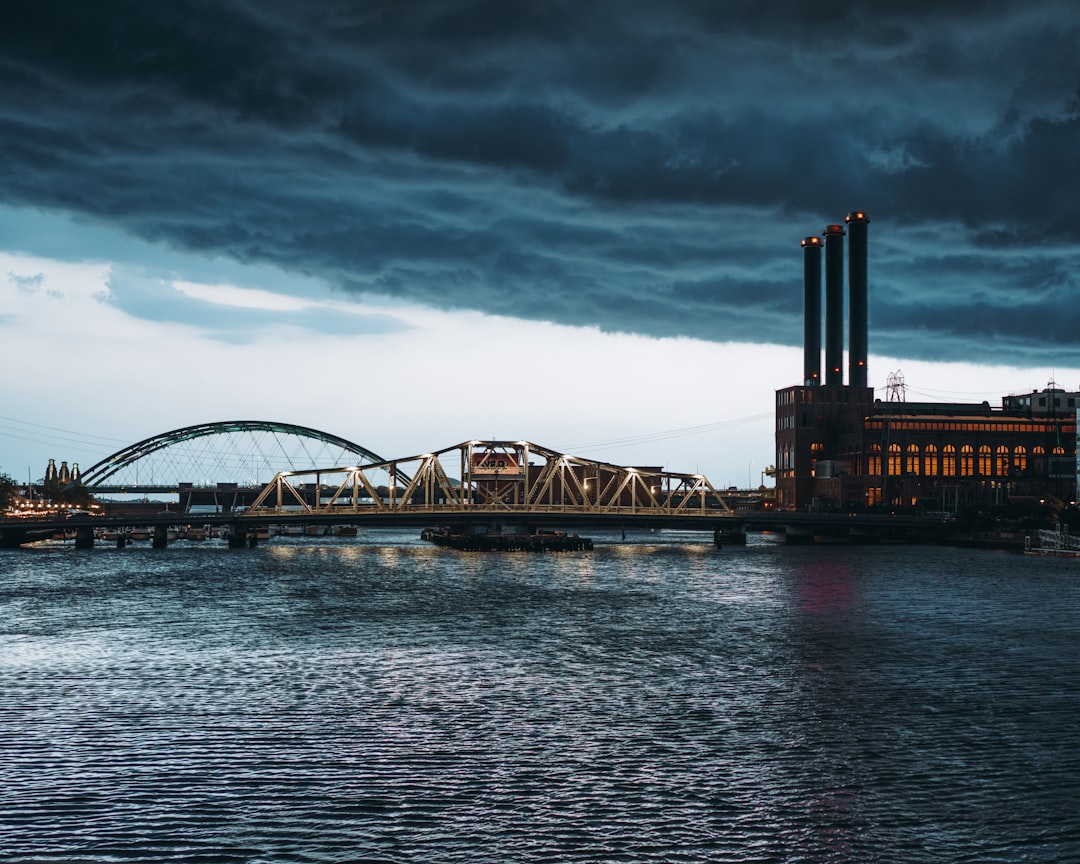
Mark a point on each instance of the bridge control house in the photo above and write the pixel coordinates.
(838, 447)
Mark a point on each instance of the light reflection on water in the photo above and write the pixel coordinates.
(655, 700)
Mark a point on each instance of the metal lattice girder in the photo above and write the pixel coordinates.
(505, 477)
(97, 474)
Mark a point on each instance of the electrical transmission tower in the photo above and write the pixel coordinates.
(896, 388)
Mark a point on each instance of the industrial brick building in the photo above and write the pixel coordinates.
(839, 447)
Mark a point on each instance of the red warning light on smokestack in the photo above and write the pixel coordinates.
(811, 241)
(856, 216)
(833, 229)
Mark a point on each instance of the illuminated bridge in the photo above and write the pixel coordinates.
(492, 481)
(283, 474)
(208, 462)
(272, 471)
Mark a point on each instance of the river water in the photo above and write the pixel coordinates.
(377, 699)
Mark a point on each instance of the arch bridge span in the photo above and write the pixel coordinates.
(246, 452)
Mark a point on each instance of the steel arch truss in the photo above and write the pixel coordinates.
(99, 473)
(497, 478)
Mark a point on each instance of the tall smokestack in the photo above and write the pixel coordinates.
(834, 305)
(811, 311)
(857, 222)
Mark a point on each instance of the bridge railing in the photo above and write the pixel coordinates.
(578, 509)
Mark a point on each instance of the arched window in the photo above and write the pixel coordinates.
(984, 460)
(967, 461)
(873, 462)
(1020, 459)
(912, 466)
(1059, 451)
(1038, 451)
(1001, 468)
(948, 461)
(930, 466)
(894, 459)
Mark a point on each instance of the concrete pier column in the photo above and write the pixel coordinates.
(84, 537)
(798, 534)
(238, 537)
(729, 535)
(161, 537)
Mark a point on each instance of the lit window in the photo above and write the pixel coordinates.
(930, 467)
(894, 459)
(948, 461)
(967, 461)
(873, 462)
(984, 460)
(912, 466)
(1020, 459)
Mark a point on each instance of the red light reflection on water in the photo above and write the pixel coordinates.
(829, 694)
(824, 587)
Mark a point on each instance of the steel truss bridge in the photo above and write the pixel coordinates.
(514, 485)
(510, 482)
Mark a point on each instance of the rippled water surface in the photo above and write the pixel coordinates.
(655, 700)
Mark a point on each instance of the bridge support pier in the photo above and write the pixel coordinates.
(161, 537)
(729, 535)
(798, 534)
(864, 536)
(239, 537)
(84, 538)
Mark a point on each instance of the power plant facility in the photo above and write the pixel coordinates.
(837, 447)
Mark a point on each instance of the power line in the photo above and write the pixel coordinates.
(683, 432)
(83, 436)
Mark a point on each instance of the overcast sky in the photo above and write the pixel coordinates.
(575, 222)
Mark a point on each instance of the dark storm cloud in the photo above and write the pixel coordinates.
(142, 295)
(639, 167)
